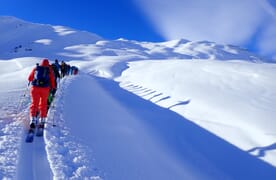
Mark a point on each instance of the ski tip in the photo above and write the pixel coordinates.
(30, 136)
(39, 134)
(29, 140)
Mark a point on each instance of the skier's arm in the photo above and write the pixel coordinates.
(31, 76)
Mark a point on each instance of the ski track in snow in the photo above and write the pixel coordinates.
(57, 155)
(31, 161)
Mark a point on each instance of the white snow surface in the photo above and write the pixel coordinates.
(137, 110)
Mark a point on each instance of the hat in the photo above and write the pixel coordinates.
(45, 62)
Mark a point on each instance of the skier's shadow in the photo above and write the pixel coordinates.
(262, 150)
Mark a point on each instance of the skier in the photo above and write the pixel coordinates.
(53, 91)
(74, 70)
(42, 78)
(68, 68)
(55, 67)
(57, 64)
(63, 69)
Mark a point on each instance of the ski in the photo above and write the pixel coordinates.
(30, 135)
(40, 130)
(35, 130)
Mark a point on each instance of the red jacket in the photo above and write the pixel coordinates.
(45, 63)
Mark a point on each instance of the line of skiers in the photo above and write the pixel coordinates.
(44, 79)
(66, 69)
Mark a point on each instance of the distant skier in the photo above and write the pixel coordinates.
(55, 67)
(57, 64)
(74, 70)
(63, 69)
(68, 68)
(42, 78)
(53, 91)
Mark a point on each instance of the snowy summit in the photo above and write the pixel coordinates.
(137, 110)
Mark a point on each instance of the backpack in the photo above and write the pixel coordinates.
(41, 77)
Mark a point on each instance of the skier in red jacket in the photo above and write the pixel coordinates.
(43, 80)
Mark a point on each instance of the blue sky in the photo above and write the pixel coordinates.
(110, 19)
(247, 23)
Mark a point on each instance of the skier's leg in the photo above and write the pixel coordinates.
(43, 102)
(34, 106)
(35, 102)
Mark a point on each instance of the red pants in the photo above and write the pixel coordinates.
(39, 97)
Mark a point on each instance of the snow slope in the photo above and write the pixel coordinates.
(139, 110)
(24, 39)
(20, 39)
(233, 99)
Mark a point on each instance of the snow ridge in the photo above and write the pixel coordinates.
(40, 40)
(68, 158)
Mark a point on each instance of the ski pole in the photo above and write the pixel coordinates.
(58, 83)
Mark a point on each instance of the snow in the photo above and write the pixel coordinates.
(231, 88)
(139, 110)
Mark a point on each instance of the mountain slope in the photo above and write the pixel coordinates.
(39, 40)
(20, 38)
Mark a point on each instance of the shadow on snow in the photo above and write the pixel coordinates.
(184, 138)
(263, 150)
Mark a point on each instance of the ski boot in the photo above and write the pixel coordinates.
(33, 122)
(42, 122)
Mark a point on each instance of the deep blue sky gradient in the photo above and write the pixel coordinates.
(110, 19)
